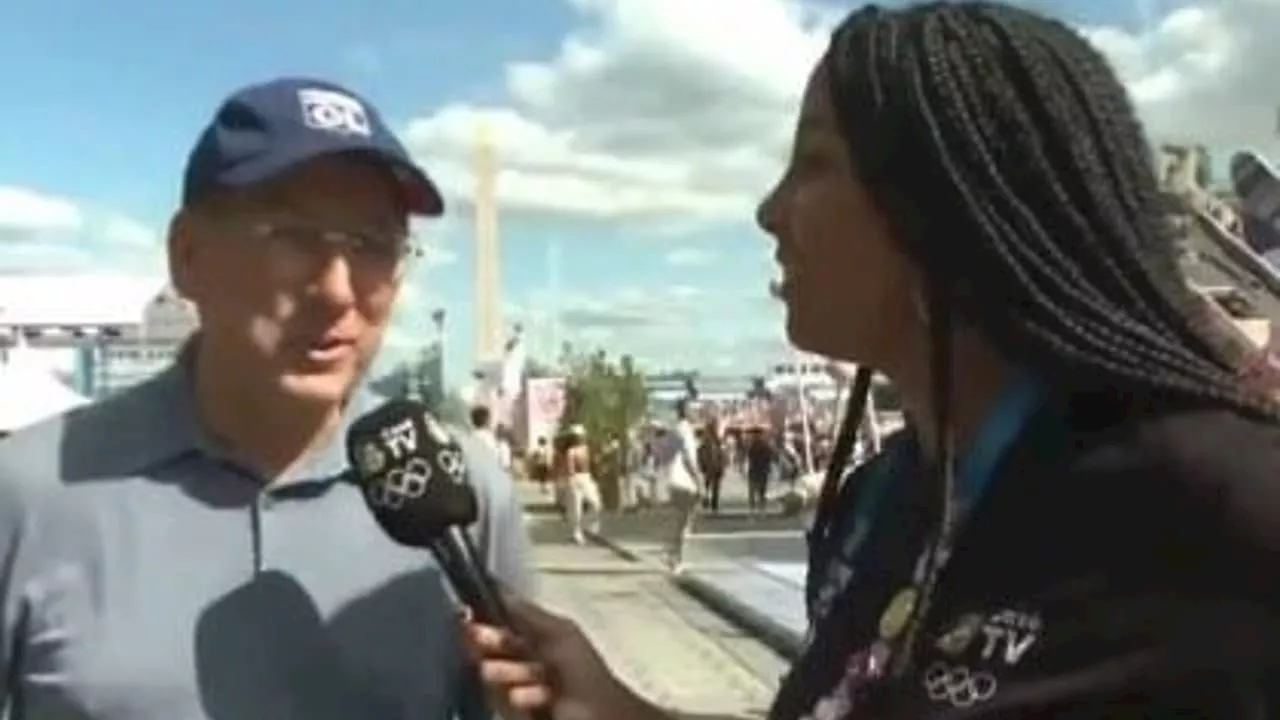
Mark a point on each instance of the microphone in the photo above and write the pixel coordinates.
(413, 477)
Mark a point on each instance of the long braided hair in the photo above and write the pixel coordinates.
(1007, 158)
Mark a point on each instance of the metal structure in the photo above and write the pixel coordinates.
(1215, 257)
(106, 357)
(488, 296)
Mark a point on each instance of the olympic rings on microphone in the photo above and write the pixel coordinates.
(401, 485)
(959, 686)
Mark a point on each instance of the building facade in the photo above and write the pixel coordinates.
(142, 350)
(98, 333)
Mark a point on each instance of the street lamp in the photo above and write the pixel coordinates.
(437, 321)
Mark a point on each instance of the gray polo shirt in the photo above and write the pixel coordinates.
(145, 576)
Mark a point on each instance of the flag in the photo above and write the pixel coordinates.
(514, 361)
(430, 376)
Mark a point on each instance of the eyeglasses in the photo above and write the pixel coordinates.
(298, 251)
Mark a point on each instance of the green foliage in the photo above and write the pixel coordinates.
(536, 368)
(606, 396)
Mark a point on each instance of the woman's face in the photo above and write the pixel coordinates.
(844, 282)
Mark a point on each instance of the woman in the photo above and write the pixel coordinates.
(1081, 522)
(712, 462)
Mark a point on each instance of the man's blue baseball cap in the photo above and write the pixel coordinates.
(264, 130)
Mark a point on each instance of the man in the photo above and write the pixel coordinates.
(581, 491)
(760, 459)
(482, 426)
(186, 548)
(684, 481)
(540, 463)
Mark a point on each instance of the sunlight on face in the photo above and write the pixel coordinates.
(842, 276)
(296, 279)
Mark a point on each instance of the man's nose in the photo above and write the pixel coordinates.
(334, 281)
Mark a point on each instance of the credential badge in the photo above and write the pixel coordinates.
(960, 637)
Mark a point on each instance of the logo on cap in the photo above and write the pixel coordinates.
(334, 112)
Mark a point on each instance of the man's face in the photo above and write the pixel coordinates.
(295, 279)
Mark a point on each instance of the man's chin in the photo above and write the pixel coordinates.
(318, 388)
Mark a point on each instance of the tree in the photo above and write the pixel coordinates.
(536, 368)
(608, 398)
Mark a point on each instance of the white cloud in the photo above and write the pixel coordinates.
(675, 109)
(1204, 72)
(45, 233)
(663, 327)
(24, 212)
(679, 113)
(437, 237)
(689, 257)
(119, 231)
(651, 108)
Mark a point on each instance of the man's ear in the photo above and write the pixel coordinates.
(182, 253)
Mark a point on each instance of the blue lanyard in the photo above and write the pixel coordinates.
(974, 471)
(1008, 416)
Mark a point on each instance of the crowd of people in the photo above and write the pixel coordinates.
(682, 465)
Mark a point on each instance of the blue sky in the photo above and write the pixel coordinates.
(103, 100)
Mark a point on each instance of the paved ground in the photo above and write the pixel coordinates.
(664, 643)
(714, 541)
(732, 536)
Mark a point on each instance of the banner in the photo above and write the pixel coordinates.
(544, 405)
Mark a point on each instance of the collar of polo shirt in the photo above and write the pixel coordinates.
(167, 427)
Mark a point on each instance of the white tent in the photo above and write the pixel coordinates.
(30, 393)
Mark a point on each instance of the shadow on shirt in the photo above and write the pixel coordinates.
(265, 651)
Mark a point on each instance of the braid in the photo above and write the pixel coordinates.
(999, 142)
(1005, 155)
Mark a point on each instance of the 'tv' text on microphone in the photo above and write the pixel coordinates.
(413, 477)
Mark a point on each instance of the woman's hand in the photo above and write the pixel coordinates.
(550, 666)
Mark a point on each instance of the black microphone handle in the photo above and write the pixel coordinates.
(475, 587)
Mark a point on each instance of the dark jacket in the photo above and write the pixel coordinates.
(1117, 569)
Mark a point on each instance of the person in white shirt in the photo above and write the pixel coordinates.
(482, 426)
(503, 438)
(684, 481)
